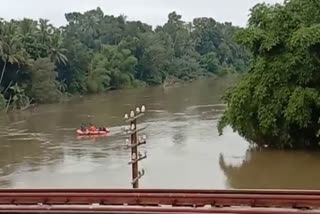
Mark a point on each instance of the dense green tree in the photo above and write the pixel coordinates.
(205, 35)
(187, 68)
(158, 53)
(44, 86)
(12, 51)
(180, 35)
(211, 63)
(56, 51)
(28, 32)
(74, 73)
(112, 67)
(278, 101)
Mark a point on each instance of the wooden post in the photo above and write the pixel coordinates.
(134, 155)
(134, 144)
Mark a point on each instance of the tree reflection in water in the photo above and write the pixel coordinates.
(268, 169)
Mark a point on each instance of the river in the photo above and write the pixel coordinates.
(39, 147)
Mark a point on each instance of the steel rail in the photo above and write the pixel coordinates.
(188, 198)
(242, 191)
(145, 210)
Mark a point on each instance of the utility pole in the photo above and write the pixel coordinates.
(134, 144)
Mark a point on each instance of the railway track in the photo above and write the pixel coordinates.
(158, 201)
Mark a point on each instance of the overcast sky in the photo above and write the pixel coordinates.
(153, 12)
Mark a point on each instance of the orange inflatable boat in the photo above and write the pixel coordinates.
(90, 133)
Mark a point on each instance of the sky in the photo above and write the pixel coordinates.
(153, 12)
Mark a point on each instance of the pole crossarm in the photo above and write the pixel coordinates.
(137, 160)
(141, 174)
(137, 130)
(134, 118)
(135, 145)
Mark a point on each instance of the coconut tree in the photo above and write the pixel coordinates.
(28, 30)
(45, 29)
(12, 51)
(56, 50)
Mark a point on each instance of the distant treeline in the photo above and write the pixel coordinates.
(95, 52)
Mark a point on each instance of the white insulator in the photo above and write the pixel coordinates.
(143, 109)
(132, 114)
(144, 137)
(133, 127)
(126, 116)
(138, 110)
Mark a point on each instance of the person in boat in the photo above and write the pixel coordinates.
(83, 127)
(92, 128)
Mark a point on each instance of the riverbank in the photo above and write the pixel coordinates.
(169, 83)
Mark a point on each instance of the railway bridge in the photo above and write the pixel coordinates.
(158, 201)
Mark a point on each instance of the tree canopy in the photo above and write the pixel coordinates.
(278, 101)
(95, 52)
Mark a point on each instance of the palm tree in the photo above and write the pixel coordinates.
(45, 29)
(27, 27)
(28, 31)
(52, 43)
(1, 32)
(56, 50)
(11, 47)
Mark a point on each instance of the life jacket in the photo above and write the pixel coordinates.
(92, 128)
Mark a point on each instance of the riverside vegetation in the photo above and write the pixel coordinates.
(95, 52)
(277, 102)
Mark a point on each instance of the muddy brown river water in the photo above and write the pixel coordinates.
(39, 147)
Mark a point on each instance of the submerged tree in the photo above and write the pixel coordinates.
(278, 101)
